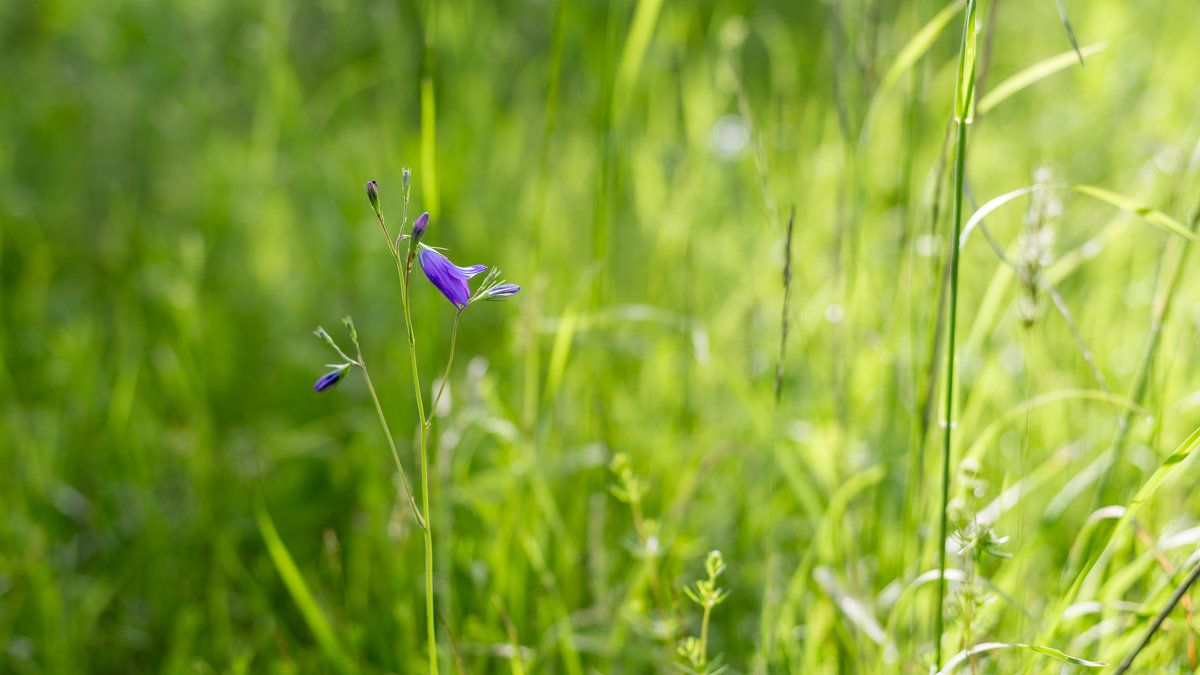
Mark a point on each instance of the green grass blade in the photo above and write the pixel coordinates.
(294, 582)
(1144, 212)
(961, 657)
(1034, 74)
(640, 31)
(1062, 15)
(1001, 423)
(907, 58)
(985, 210)
(966, 67)
(1169, 465)
(1153, 216)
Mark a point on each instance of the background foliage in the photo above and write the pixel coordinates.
(181, 202)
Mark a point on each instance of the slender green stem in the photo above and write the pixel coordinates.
(392, 246)
(960, 165)
(391, 443)
(412, 353)
(445, 376)
(403, 272)
(964, 91)
(704, 634)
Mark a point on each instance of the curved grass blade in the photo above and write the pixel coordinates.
(1034, 74)
(1144, 212)
(985, 210)
(294, 582)
(906, 59)
(1152, 216)
(962, 656)
(992, 430)
(1169, 465)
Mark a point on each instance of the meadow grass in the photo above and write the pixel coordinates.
(181, 202)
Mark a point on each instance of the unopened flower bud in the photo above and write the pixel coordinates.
(407, 176)
(330, 380)
(419, 226)
(373, 195)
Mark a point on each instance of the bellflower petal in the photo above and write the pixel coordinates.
(447, 277)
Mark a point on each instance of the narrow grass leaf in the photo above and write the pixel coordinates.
(1144, 212)
(966, 68)
(300, 593)
(1147, 490)
(640, 32)
(1034, 74)
(1003, 422)
(1152, 216)
(961, 657)
(907, 58)
(429, 187)
(1062, 16)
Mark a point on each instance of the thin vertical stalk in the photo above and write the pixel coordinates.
(446, 375)
(1158, 620)
(962, 109)
(403, 272)
(951, 326)
(428, 531)
(391, 443)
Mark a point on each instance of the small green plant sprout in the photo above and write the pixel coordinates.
(628, 488)
(706, 594)
(974, 540)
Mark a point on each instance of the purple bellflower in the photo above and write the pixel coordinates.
(447, 277)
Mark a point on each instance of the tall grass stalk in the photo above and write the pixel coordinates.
(964, 90)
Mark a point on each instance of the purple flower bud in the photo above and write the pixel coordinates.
(373, 195)
(328, 381)
(447, 277)
(502, 291)
(407, 176)
(419, 226)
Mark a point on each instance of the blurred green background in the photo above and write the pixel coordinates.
(181, 203)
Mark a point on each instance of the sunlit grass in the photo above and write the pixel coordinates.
(181, 200)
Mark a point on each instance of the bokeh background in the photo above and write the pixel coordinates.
(181, 203)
